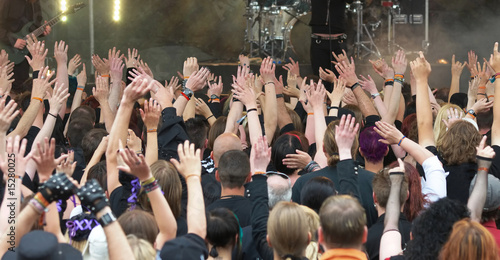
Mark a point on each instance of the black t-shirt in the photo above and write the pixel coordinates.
(239, 205)
(375, 234)
(495, 165)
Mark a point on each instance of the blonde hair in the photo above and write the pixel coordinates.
(458, 144)
(439, 126)
(469, 240)
(141, 248)
(330, 145)
(288, 230)
(313, 223)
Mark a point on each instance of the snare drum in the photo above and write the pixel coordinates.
(279, 17)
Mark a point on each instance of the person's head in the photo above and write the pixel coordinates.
(223, 231)
(357, 113)
(469, 240)
(197, 130)
(316, 191)
(77, 129)
(296, 120)
(330, 145)
(492, 203)
(416, 200)
(99, 173)
(279, 188)
(91, 141)
(370, 148)
(234, 169)
(485, 120)
(382, 187)
(139, 223)
(141, 248)
(83, 112)
(216, 129)
(410, 127)
(442, 93)
(288, 230)
(439, 125)
(170, 183)
(312, 220)
(459, 143)
(225, 142)
(285, 144)
(343, 223)
(432, 228)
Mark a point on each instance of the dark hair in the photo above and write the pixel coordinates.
(382, 187)
(222, 229)
(432, 228)
(83, 112)
(287, 143)
(197, 130)
(316, 191)
(358, 115)
(233, 169)
(442, 93)
(216, 129)
(485, 119)
(91, 141)
(99, 173)
(296, 120)
(410, 127)
(373, 150)
(139, 223)
(77, 128)
(411, 108)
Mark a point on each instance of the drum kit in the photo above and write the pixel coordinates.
(281, 30)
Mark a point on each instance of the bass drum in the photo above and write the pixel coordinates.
(299, 38)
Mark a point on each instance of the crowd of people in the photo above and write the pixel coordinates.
(272, 170)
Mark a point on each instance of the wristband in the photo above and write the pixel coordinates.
(269, 83)
(310, 114)
(280, 96)
(38, 207)
(214, 100)
(148, 181)
(251, 109)
(484, 94)
(37, 98)
(53, 115)
(184, 95)
(259, 173)
(152, 130)
(79, 88)
(186, 77)
(396, 173)
(151, 186)
(334, 107)
(483, 158)
(401, 140)
(482, 87)
(235, 99)
(38, 197)
(389, 83)
(399, 76)
(212, 116)
(354, 86)
(399, 80)
(483, 169)
(105, 76)
(192, 175)
(491, 96)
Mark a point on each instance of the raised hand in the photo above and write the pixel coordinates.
(41, 84)
(101, 90)
(457, 67)
(267, 70)
(164, 95)
(74, 63)
(389, 132)
(246, 95)
(45, 162)
(101, 66)
(133, 56)
(151, 114)
(137, 89)
(482, 105)
(382, 69)
(347, 71)
(15, 149)
(484, 154)
(327, 75)
(345, 133)
(202, 108)
(337, 93)
(68, 165)
(293, 67)
(173, 84)
(61, 52)
(341, 58)
(349, 98)
(260, 156)
(453, 116)
(58, 187)
(190, 66)
(399, 62)
(59, 96)
(215, 88)
(244, 60)
(116, 67)
(81, 78)
(291, 80)
(241, 75)
(92, 196)
(146, 68)
(495, 59)
(472, 62)
(316, 95)
(368, 84)
(7, 114)
(134, 142)
(190, 163)
(136, 165)
(38, 53)
(5, 80)
(482, 73)
(197, 80)
(420, 68)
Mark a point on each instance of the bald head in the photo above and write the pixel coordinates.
(225, 142)
(278, 189)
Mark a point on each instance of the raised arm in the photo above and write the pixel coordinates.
(61, 55)
(81, 79)
(316, 97)
(421, 70)
(477, 197)
(368, 84)
(151, 117)
(137, 166)
(116, 67)
(101, 94)
(495, 128)
(399, 64)
(236, 106)
(274, 106)
(456, 72)
(246, 96)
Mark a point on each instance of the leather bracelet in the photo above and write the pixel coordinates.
(334, 108)
(280, 96)
(397, 173)
(389, 83)
(354, 86)
(210, 117)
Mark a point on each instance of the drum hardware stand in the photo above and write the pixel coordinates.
(359, 45)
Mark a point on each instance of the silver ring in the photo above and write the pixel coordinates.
(449, 117)
(457, 117)
(43, 77)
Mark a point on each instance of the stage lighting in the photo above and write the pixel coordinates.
(116, 10)
(64, 7)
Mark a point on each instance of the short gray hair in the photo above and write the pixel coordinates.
(278, 189)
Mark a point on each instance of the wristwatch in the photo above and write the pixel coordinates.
(107, 219)
(188, 92)
(213, 96)
(471, 111)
